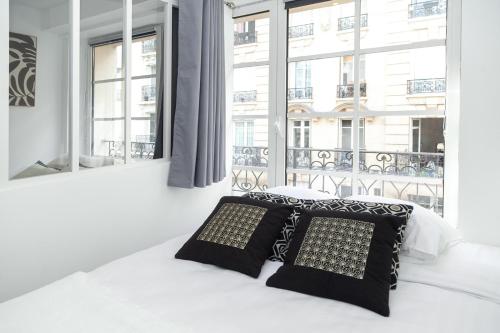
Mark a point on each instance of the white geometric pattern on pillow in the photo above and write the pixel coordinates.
(353, 206)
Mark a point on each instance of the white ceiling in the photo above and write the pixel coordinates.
(45, 4)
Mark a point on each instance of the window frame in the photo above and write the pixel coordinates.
(278, 138)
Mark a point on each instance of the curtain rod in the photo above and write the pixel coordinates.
(230, 4)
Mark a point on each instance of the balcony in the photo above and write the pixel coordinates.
(426, 86)
(141, 150)
(347, 23)
(300, 93)
(301, 30)
(242, 38)
(148, 93)
(427, 8)
(347, 90)
(149, 46)
(245, 96)
(402, 175)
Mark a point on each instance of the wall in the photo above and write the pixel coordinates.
(39, 133)
(78, 222)
(479, 217)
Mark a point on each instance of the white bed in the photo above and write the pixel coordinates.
(151, 291)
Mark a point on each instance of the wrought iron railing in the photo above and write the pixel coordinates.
(139, 150)
(346, 23)
(347, 90)
(426, 86)
(245, 96)
(148, 93)
(241, 38)
(301, 30)
(149, 46)
(426, 8)
(300, 93)
(370, 162)
(416, 177)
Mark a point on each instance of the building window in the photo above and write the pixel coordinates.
(427, 135)
(243, 133)
(346, 133)
(244, 33)
(301, 86)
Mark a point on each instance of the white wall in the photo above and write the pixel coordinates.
(69, 223)
(479, 151)
(39, 133)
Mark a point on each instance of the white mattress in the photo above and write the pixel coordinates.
(203, 298)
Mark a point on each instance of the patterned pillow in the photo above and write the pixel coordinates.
(343, 256)
(353, 206)
(238, 235)
(280, 247)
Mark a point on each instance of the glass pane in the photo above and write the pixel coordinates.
(251, 91)
(325, 145)
(251, 38)
(39, 81)
(318, 86)
(108, 99)
(146, 61)
(394, 148)
(324, 27)
(403, 21)
(427, 193)
(108, 61)
(406, 80)
(335, 184)
(144, 55)
(102, 130)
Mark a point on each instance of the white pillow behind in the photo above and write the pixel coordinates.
(427, 234)
(300, 193)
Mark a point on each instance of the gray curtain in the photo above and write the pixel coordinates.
(198, 155)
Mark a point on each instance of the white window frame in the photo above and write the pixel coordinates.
(278, 93)
(75, 93)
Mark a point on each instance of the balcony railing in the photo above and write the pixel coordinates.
(301, 30)
(426, 86)
(427, 8)
(347, 23)
(347, 90)
(241, 38)
(148, 93)
(416, 177)
(149, 46)
(139, 149)
(245, 96)
(300, 93)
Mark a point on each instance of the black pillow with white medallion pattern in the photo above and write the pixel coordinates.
(283, 240)
(353, 206)
(238, 235)
(343, 256)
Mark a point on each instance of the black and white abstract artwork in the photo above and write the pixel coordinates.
(22, 66)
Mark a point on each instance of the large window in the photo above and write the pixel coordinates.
(369, 80)
(107, 85)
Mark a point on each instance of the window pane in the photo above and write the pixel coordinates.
(102, 130)
(324, 27)
(406, 80)
(394, 148)
(251, 91)
(108, 61)
(251, 38)
(39, 81)
(328, 149)
(144, 55)
(403, 21)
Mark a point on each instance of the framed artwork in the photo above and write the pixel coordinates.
(22, 68)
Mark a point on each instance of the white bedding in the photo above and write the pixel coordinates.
(209, 299)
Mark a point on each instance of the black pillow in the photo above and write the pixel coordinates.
(343, 256)
(238, 235)
(376, 209)
(283, 240)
